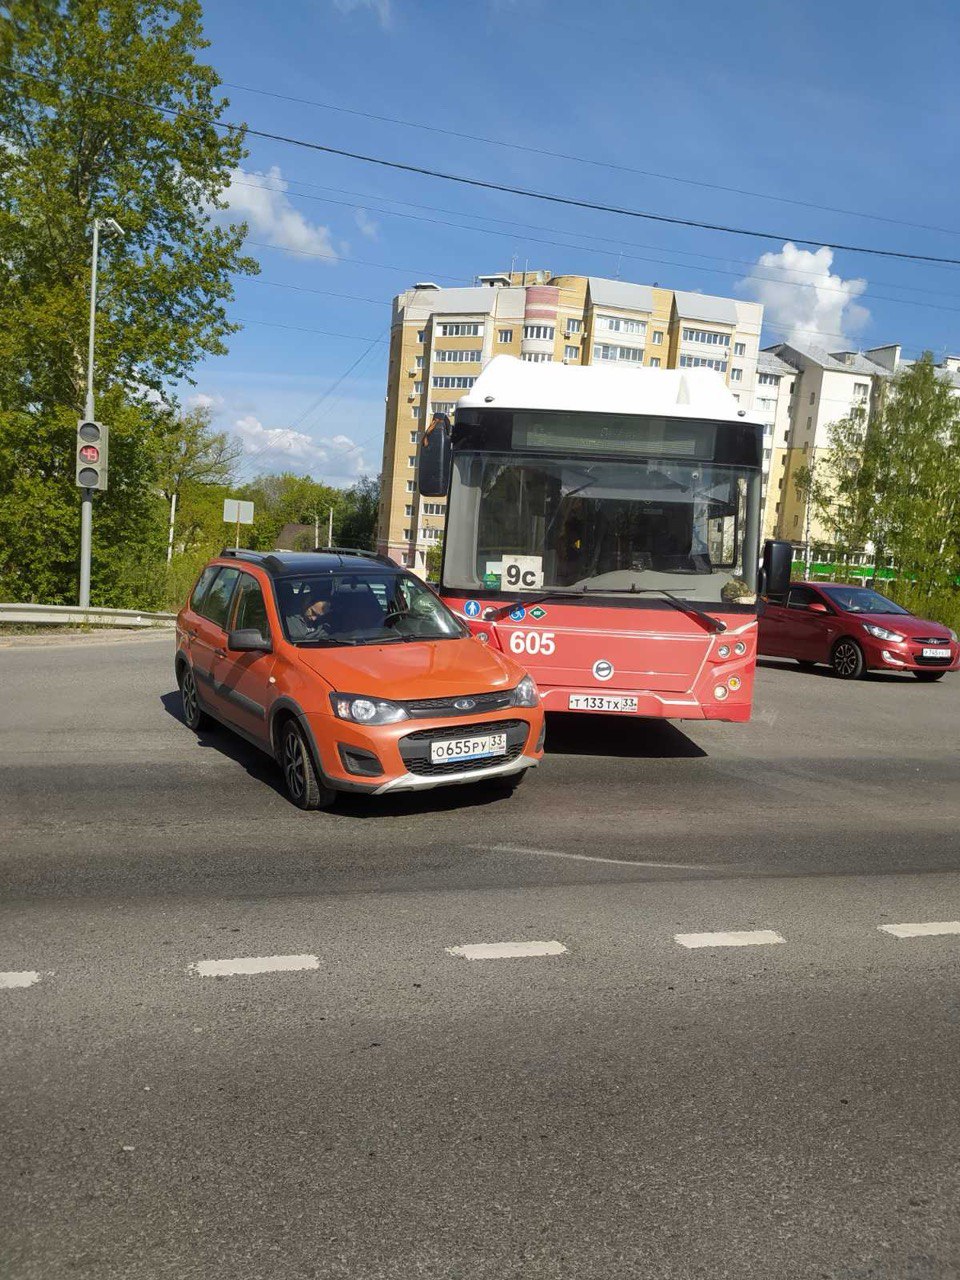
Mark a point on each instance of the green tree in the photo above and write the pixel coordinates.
(192, 460)
(107, 112)
(434, 561)
(361, 505)
(286, 498)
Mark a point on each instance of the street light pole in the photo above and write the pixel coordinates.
(86, 495)
(111, 227)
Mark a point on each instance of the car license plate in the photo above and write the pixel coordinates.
(936, 653)
(491, 744)
(600, 702)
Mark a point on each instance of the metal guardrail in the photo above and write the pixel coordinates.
(73, 615)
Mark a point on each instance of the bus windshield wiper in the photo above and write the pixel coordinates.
(713, 624)
(547, 595)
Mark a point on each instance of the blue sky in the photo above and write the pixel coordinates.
(848, 107)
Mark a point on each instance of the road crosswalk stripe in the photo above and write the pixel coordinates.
(506, 950)
(254, 964)
(930, 929)
(744, 938)
(21, 978)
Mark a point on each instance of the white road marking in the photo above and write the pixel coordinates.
(23, 978)
(506, 950)
(589, 857)
(746, 938)
(927, 930)
(254, 964)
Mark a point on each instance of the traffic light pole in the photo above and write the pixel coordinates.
(86, 495)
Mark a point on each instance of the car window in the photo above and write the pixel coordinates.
(216, 603)
(249, 609)
(800, 597)
(362, 608)
(202, 587)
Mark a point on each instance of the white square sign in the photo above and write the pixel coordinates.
(237, 512)
(522, 573)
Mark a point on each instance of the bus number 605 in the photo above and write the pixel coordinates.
(533, 642)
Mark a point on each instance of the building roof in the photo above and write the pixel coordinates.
(509, 383)
(853, 361)
(857, 362)
(620, 293)
(767, 362)
(476, 300)
(704, 306)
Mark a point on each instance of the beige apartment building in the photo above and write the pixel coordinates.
(442, 338)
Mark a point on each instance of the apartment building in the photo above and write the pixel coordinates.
(775, 382)
(441, 339)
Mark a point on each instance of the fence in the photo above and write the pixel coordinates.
(73, 616)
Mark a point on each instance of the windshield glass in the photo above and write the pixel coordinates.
(367, 608)
(861, 600)
(518, 523)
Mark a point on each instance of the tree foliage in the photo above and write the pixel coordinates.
(107, 112)
(890, 481)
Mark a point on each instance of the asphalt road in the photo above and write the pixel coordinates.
(622, 1105)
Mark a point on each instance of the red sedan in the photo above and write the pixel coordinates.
(854, 629)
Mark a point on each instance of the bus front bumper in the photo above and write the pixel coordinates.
(645, 703)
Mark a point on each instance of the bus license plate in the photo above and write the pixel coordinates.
(936, 653)
(491, 744)
(600, 702)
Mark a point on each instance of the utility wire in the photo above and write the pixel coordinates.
(507, 189)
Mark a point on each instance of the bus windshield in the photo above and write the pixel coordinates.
(521, 522)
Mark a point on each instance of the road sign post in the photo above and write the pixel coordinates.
(238, 513)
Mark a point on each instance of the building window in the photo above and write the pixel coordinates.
(620, 324)
(446, 382)
(739, 348)
(539, 332)
(813, 397)
(655, 362)
(504, 335)
(409, 486)
(432, 509)
(571, 353)
(419, 362)
(768, 379)
(421, 335)
(418, 387)
(430, 535)
(703, 362)
(458, 357)
(459, 330)
(573, 325)
(412, 461)
(630, 355)
(537, 357)
(408, 534)
(442, 406)
(861, 390)
(736, 375)
(414, 411)
(809, 423)
(408, 510)
(657, 338)
(413, 436)
(766, 404)
(706, 336)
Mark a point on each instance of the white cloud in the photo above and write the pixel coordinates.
(382, 8)
(259, 200)
(803, 300)
(330, 459)
(200, 400)
(368, 227)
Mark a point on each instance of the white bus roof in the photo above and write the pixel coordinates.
(509, 383)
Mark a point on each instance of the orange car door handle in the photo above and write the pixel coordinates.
(220, 653)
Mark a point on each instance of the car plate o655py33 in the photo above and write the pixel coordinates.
(490, 744)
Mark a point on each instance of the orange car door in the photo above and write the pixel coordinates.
(209, 638)
(242, 680)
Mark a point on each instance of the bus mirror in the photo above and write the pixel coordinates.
(777, 564)
(436, 458)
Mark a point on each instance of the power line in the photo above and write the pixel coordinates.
(524, 192)
(588, 160)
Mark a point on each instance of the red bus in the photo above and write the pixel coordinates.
(603, 527)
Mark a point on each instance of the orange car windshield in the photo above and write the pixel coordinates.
(367, 608)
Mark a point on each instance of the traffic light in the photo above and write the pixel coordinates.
(92, 440)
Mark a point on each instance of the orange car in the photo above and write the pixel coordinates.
(353, 675)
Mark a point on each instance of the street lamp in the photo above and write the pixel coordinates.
(110, 227)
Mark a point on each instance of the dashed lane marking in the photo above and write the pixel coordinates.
(506, 950)
(745, 938)
(589, 857)
(926, 930)
(21, 978)
(253, 964)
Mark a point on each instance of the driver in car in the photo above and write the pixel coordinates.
(308, 621)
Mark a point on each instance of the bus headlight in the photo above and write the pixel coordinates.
(739, 648)
(733, 684)
(720, 692)
(723, 651)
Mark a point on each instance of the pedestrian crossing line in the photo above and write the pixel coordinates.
(507, 950)
(18, 978)
(743, 938)
(929, 929)
(247, 965)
